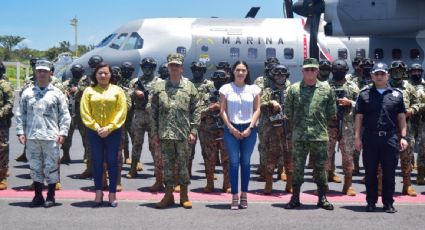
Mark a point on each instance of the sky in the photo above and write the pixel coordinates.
(45, 23)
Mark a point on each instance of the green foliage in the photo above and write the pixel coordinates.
(8, 42)
(11, 76)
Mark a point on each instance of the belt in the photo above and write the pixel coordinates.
(383, 133)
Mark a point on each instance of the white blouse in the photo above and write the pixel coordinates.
(240, 101)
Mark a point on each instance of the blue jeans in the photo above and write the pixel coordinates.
(239, 152)
(105, 149)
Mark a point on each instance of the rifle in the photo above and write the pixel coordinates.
(145, 91)
(214, 98)
(278, 119)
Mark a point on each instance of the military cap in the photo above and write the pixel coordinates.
(175, 58)
(379, 67)
(43, 65)
(310, 63)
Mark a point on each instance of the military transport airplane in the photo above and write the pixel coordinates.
(385, 30)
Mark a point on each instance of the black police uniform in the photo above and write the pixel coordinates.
(380, 139)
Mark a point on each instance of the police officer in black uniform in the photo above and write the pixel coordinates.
(380, 130)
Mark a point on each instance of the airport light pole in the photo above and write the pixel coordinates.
(74, 23)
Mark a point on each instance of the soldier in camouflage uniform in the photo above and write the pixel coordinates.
(325, 69)
(415, 74)
(397, 71)
(310, 105)
(127, 71)
(341, 129)
(211, 133)
(163, 71)
(42, 122)
(204, 86)
(275, 127)
(175, 117)
(6, 114)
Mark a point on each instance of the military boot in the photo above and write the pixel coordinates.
(210, 184)
(139, 167)
(295, 198)
(22, 158)
(50, 200)
(332, 177)
(167, 200)
(133, 170)
(323, 202)
(288, 187)
(184, 198)
(269, 185)
(407, 187)
(281, 173)
(348, 188)
(87, 173)
(66, 158)
(158, 182)
(119, 186)
(420, 179)
(3, 179)
(38, 199)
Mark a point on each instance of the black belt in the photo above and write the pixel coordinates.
(383, 133)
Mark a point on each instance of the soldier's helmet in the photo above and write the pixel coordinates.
(94, 61)
(77, 69)
(33, 61)
(148, 62)
(116, 71)
(127, 66)
(325, 65)
(198, 65)
(219, 75)
(339, 65)
(269, 67)
(416, 66)
(280, 69)
(2, 69)
(271, 60)
(357, 60)
(223, 65)
(367, 63)
(398, 64)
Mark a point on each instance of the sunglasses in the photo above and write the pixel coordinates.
(279, 71)
(218, 76)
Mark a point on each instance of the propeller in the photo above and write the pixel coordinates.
(287, 9)
(312, 10)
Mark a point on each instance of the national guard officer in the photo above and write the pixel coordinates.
(211, 133)
(174, 123)
(275, 127)
(310, 106)
(325, 69)
(341, 129)
(380, 116)
(42, 122)
(204, 86)
(6, 114)
(397, 71)
(141, 95)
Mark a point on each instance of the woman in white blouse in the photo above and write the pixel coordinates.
(240, 110)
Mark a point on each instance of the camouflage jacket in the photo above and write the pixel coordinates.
(267, 95)
(75, 98)
(309, 109)
(42, 114)
(6, 103)
(262, 82)
(149, 84)
(210, 120)
(359, 81)
(351, 92)
(174, 110)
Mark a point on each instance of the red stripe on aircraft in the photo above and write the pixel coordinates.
(326, 54)
(212, 197)
(304, 40)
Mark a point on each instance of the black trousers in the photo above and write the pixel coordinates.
(383, 150)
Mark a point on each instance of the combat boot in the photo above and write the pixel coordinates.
(356, 170)
(332, 177)
(295, 198)
(407, 187)
(281, 173)
(58, 186)
(22, 158)
(133, 170)
(323, 202)
(269, 185)
(38, 199)
(420, 179)
(139, 167)
(288, 187)
(348, 188)
(87, 172)
(184, 198)
(210, 184)
(167, 200)
(50, 200)
(3, 179)
(66, 158)
(119, 186)
(158, 182)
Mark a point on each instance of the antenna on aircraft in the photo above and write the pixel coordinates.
(287, 9)
(252, 12)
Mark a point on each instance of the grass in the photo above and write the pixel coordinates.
(11, 76)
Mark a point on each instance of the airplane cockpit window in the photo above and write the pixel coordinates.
(379, 54)
(106, 40)
(234, 53)
(342, 54)
(116, 44)
(252, 53)
(396, 54)
(134, 42)
(181, 50)
(288, 53)
(415, 54)
(361, 53)
(270, 53)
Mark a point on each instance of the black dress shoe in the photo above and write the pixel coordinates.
(389, 208)
(370, 207)
(37, 201)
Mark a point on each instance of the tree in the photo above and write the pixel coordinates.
(64, 46)
(8, 42)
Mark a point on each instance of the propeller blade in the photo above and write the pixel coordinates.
(314, 30)
(287, 9)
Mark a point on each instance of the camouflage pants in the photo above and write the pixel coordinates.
(346, 147)
(213, 142)
(276, 147)
(261, 147)
(421, 148)
(406, 159)
(317, 149)
(76, 122)
(127, 132)
(175, 151)
(43, 157)
(141, 126)
(4, 151)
